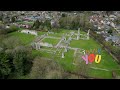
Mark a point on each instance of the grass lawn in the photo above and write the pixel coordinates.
(84, 44)
(107, 62)
(25, 38)
(100, 74)
(56, 35)
(42, 54)
(41, 33)
(51, 41)
(67, 62)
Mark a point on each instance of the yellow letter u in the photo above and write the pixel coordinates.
(98, 58)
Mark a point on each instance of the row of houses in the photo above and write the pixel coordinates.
(103, 24)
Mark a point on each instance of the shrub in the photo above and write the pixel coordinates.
(22, 60)
(11, 42)
(13, 19)
(44, 68)
(12, 28)
(36, 24)
(54, 74)
(5, 65)
(38, 69)
(2, 29)
(64, 15)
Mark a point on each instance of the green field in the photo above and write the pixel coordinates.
(56, 35)
(51, 40)
(107, 62)
(41, 33)
(25, 38)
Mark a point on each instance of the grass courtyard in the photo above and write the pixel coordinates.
(107, 62)
(51, 41)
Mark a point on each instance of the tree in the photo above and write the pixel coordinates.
(62, 22)
(110, 31)
(11, 42)
(13, 19)
(55, 25)
(2, 29)
(21, 60)
(36, 24)
(47, 23)
(108, 12)
(5, 65)
(1, 17)
(14, 59)
(44, 68)
(64, 15)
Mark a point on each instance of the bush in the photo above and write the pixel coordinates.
(47, 24)
(14, 58)
(44, 68)
(54, 74)
(2, 29)
(110, 31)
(11, 42)
(74, 22)
(38, 69)
(64, 15)
(49, 69)
(5, 65)
(12, 28)
(21, 60)
(36, 24)
(13, 19)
